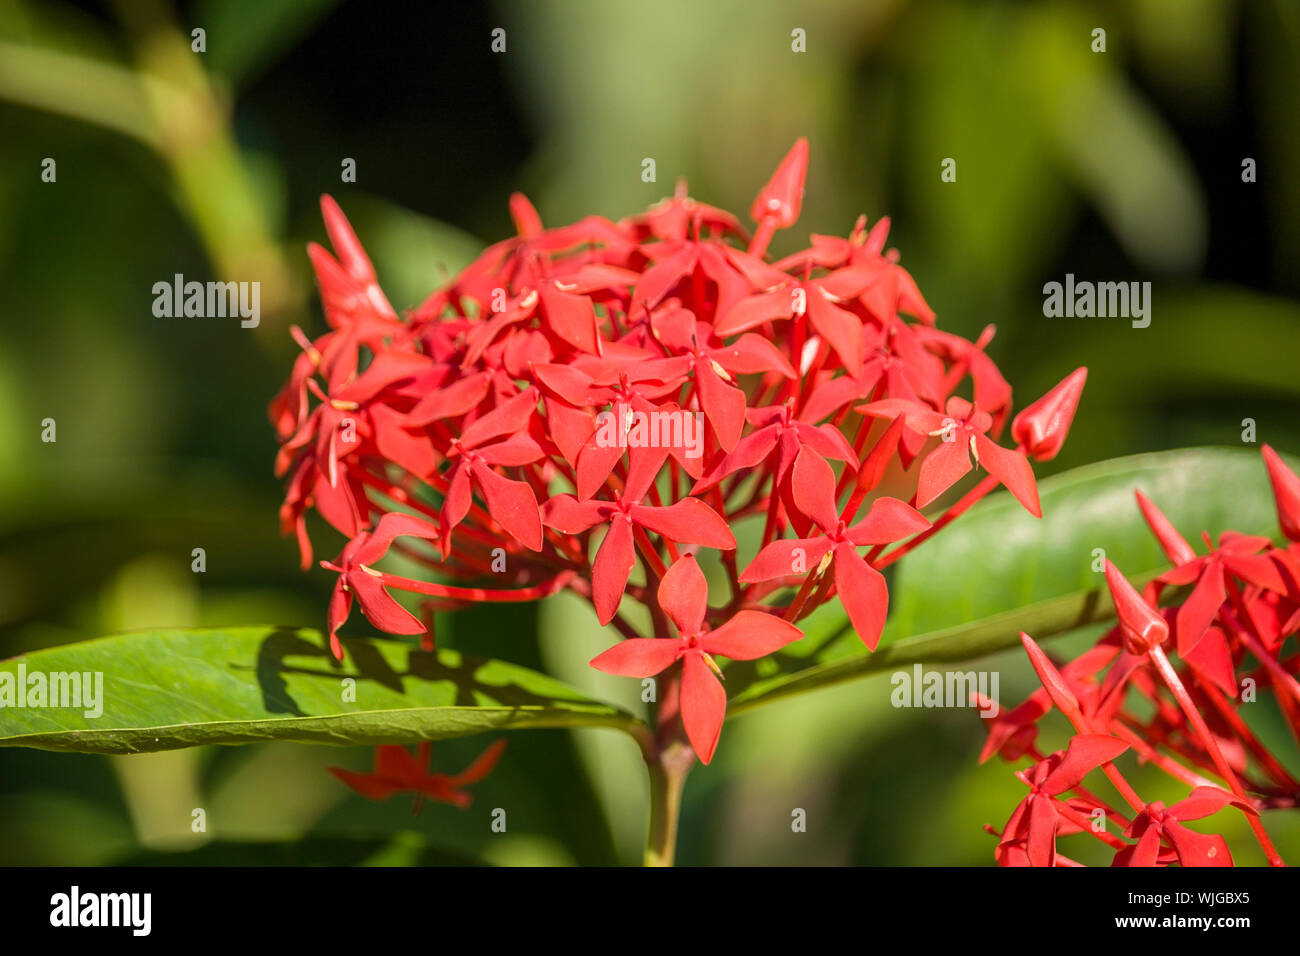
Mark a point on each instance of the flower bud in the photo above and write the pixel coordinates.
(1141, 626)
(1286, 490)
(782, 197)
(1042, 426)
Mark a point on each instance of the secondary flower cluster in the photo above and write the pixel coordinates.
(596, 408)
(1188, 718)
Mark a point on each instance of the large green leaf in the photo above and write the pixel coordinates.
(997, 571)
(180, 688)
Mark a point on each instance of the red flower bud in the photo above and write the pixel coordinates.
(1286, 490)
(782, 197)
(1141, 626)
(1042, 426)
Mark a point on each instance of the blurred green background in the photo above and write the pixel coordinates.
(1123, 165)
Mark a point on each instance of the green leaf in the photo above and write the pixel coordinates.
(997, 571)
(181, 688)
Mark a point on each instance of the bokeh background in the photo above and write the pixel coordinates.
(1119, 166)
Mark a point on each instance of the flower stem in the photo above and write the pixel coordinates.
(667, 777)
(880, 562)
(1211, 745)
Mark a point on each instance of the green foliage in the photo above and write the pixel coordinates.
(169, 689)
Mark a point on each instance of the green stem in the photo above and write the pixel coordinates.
(667, 777)
(668, 759)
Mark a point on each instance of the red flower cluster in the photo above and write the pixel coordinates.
(586, 399)
(1186, 719)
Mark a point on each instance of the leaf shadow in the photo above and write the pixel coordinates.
(470, 678)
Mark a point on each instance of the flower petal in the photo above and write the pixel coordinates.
(1013, 470)
(684, 595)
(750, 635)
(942, 468)
(689, 521)
(703, 704)
(887, 521)
(863, 593)
(814, 489)
(784, 557)
(612, 568)
(1201, 607)
(638, 657)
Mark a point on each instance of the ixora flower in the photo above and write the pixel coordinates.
(1239, 604)
(683, 596)
(486, 437)
(397, 771)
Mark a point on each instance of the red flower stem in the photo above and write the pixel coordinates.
(507, 596)
(814, 369)
(801, 597)
(762, 236)
(766, 478)
(1125, 789)
(1111, 814)
(1243, 731)
(1149, 753)
(822, 595)
(792, 386)
(653, 493)
(1244, 629)
(1246, 633)
(471, 563)
(877, 561)
(402, 496)
(728, 557)
(1278, 675)
(1085, 824)
(850, 475)
(699, 294)
(648, 551)
(1175, 685)
(769, 526)
(1084, 725)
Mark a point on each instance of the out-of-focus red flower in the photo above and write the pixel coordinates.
(398, 771)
